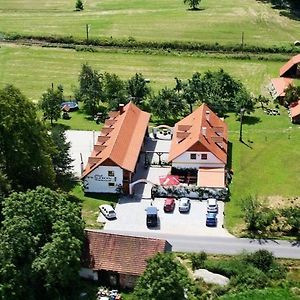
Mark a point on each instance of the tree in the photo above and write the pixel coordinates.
(168, 104)
(51, 103)
(292, 94)
(164, 279)
(193, 4)
(62, 162)
(40, 246)
(79, 5)
(114, 91)
(90, 89)
(137, 88)
(25, 145)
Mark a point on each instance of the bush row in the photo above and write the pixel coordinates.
(131, 42)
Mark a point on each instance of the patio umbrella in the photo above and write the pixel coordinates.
(169, 180)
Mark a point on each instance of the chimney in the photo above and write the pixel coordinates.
(207, 113)
(203, 131)
(121, 108)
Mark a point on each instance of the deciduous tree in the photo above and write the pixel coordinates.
(25, 146)
(90, 88)
(50, 103)
(193, 4)
(40, 246)
(137, 88)
(164, 279)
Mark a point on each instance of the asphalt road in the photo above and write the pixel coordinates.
(222, 245)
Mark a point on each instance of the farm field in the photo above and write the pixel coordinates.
(33, 69)
(217, 22)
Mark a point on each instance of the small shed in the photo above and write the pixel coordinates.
(295, 112)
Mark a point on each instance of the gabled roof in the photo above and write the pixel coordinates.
(120, 139)
(279, 85)
(120, 253)
(290, 64)
(295, 109)
(202, 127)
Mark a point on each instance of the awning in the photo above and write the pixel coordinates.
(211, 177)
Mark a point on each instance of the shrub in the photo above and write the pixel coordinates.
(198, 259)
(227, 268)
(261, 259)
(249, 278)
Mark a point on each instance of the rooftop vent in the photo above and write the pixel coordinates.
(121, 108)
(203, 131)
(207, 114)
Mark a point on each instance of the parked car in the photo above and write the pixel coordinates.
(108, 212)
(169, 204)
(151, 216)
(211, 220)
(212, 205)
(184, 205)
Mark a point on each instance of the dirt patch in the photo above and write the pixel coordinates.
(276, 202)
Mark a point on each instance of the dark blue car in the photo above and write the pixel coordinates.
(211, 220)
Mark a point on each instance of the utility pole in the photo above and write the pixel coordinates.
(87, 29)
(241, 123)
(242, 40)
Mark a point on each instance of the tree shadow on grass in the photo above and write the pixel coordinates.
(291, 15)
(251, 120)
(195, 9)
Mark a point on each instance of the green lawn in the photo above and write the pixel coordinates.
(33, 69)
(90, 205)
(268, 166)
(218, 21)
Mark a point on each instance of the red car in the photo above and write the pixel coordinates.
(169, 204)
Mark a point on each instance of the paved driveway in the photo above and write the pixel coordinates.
(131, 216)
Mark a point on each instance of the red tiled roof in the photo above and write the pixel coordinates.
(295, 109)
(120, 253)
(121, 139)
(280, 84)
(293, 61)
(214, 140)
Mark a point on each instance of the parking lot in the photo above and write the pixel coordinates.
(131, 216)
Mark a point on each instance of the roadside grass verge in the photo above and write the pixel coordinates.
(265, 165)
(166, 20)
(90, 205)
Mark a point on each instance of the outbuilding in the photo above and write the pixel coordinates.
(118, 260)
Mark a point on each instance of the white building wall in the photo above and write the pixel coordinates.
(185, 161)
(100, 181)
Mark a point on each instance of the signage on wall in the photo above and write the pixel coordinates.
(103, 178)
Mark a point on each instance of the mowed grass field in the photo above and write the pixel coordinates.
(33, 69)
(217, 21)
(267, 165)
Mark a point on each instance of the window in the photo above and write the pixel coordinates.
(111, 184)
(111, 173)
(193, 156)
(203, 156)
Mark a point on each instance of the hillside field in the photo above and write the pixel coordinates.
(165, 20)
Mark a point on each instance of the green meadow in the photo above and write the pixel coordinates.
(33, 69)
(165, 20)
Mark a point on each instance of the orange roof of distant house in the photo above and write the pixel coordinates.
(293, 61)
(120, 139)
(280, 84)
(120, 253)
(188, 134)
(295, 109)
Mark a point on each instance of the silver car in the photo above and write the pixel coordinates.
(107, 211)
(184, 205)
(212, 205)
